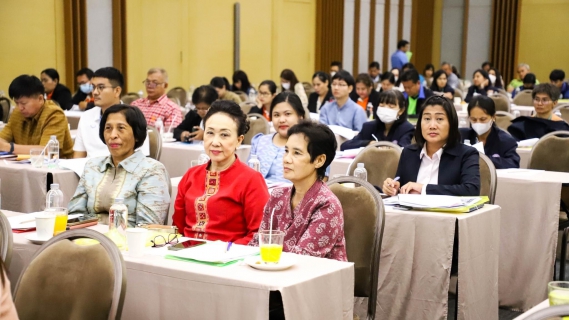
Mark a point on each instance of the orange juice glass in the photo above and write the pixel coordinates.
(271, 244)
(60, 219)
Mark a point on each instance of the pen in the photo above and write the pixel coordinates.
(228, 246)
(395, 179)
(373, 135)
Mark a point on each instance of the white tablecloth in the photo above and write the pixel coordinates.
(524, 157)
(528, 234)
(159, 288)
(177, 156)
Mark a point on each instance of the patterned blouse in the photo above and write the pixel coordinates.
(141, 181)
(314, 228)
(270, 156)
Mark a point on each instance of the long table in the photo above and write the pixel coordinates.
(177, 156)
(24, 187)
(158, 288)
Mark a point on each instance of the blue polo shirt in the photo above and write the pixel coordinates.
(398, 59)
(565, 90)
(350, 115)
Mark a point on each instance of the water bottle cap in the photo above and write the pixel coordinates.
(54, 186)
(253, 156)
(119, 200)
(53, 137)
(360, 165)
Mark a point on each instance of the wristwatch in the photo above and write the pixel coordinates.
(11, 147)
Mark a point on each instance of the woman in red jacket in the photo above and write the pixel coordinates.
(224, 198)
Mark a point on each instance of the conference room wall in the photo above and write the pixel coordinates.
(543, 36)
(31, 38)
(193, 40)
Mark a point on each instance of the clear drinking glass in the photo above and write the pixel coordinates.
(271, 244)
(60, 219)
(36, 157)
(558, 292)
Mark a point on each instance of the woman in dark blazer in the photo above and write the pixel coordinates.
(481, 85)
(391, 124)
(322, 92)
(54, 90)
(499, 146)
(438, 163)
(440, 84)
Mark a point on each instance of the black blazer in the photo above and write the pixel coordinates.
(191, 120)
(523, 128)
(459, 170)
(400, 133)
(447, 88)
(63, 96)
(483, 91)
(373, 99)
(500, 147)
(79, 96)
(313, 101)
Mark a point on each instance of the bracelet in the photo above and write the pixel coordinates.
(11, 147)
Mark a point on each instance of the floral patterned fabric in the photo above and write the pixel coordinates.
(142, 182)
(314, 228)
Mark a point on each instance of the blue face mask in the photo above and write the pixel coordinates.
(86, 88)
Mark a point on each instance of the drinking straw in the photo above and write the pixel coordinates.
(271, 226)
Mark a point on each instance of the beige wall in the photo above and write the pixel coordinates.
(31, 39)
(543, 36)
(193, 39)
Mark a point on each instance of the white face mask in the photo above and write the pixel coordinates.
(332, 74)
(387, 115)
(286, 85)
(492, 78)
(482, 127)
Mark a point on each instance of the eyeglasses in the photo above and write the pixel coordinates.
(160, 241)
(542, 101)
(101, 87)
(151, 84)
(264, 94)
(339, 85)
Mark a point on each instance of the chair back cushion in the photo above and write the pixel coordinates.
(155, 142)
(67, 281)
(258, 124)
(380, 163)
(179, 93)
(542, 154)
(504, 120)
(502, 103)
(523, 98)
(485, 179)
(564, 114)
(129, 98)
(360, 215)
(5, 104)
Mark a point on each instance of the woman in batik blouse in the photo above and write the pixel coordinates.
(307, 212)
(141, 181)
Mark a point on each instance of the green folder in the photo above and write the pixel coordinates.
(465, 209)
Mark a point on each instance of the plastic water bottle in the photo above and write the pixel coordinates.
(159, 125)
(254, 163)
(516, 113)
(54, 198)
(53, 152)
(203, 158)
(360, 172)
(370, 110)
(252, 95)
(118, 222)
(467, 142)
(140, 93)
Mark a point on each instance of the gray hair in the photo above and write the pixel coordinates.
(525, 65)
(159, 70)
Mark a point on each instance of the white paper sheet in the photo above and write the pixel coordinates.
(211, 252)
(348, 154)
(528, 142)
(479, 146)
(435, 201)
(343, 132)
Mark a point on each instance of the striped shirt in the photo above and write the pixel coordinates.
(162, 107)
(50, 120)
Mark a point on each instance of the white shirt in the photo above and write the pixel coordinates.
(429, 169)
(87, 137)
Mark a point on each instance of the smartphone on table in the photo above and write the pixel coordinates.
(186, 244)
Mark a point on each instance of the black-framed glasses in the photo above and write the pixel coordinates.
(160, 240)
(101, 87)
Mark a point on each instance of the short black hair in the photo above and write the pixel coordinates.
(321, 140)
(483, 102)
(374, 64)
(453, 133)
(408, 66)
(486, 63)
(429, 66)
(397, 98)
(323, 76)
(436, 76)
(134, 117)
(556, 75)
(289, 75)
(114, 76)
(205, 94)
(387, 75)
(219, 82)
(25, 86)
(530, 78)
(410, 74)
(483, 73)
(365, 79)
(85, 71)
(292, 99)
(233, 110)
(336, 64)
(402, 43)
(240, 75)
(271, 84)
(345, 76)
(52, 73)
(549, 89)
